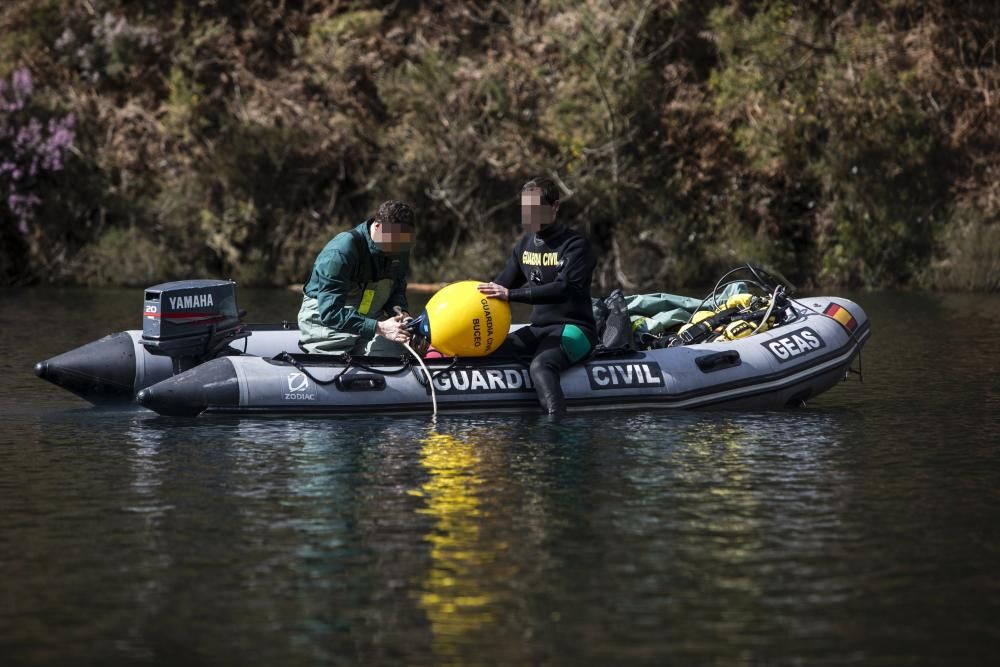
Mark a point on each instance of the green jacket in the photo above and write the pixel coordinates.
(340, 275)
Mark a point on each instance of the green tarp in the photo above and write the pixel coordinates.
(660, 312)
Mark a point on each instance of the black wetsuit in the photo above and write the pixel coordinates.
(552, 271)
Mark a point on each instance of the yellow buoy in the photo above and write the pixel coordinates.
(460, 321)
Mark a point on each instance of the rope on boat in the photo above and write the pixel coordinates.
(763, 323)
(420, 360)
(349, 363)
(430, 380)
(289, 359)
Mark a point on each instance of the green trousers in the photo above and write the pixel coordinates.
(316, 338)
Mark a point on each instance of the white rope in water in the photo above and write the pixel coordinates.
(430, 380)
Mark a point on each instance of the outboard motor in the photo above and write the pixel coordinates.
(191, 321)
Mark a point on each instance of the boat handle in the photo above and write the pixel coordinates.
(718, 361)
(361, 383)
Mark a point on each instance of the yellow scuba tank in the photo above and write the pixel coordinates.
(696, 318)
(743, 328)
(460, 321)
(737, 329)
(741, 301)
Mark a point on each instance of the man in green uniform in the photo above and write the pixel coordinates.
(359, 276)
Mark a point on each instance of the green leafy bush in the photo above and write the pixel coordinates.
(843, 142)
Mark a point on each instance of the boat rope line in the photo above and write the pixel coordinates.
(454, 366)
(861, 369)
(349, 363)
(763, 326)
(449, 367)
(430, 378)
(289, 359)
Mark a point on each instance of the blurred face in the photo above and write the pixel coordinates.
(391, 237)
(535, 213)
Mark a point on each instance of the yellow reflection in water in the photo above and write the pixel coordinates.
(456, 590)
(728, 527)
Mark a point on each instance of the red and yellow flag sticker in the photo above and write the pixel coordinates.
(842, 315)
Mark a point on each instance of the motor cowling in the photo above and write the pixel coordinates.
(191, 321)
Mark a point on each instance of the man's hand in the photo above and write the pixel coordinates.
(402, 313)
(392, 329)
(493, 290)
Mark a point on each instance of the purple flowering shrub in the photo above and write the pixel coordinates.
(30, 148)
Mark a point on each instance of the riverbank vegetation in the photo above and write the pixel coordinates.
(843, 142)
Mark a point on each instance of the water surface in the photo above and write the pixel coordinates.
(863, 529)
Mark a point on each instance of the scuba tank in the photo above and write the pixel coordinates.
(703, 324)
(460, 321)
(740, 316)
(743, 314)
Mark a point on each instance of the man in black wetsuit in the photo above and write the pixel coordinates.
(550, 268)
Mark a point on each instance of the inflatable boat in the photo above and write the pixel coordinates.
(195, 356)
(784, 367)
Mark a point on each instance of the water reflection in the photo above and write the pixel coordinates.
(255, 506)
(457, 597)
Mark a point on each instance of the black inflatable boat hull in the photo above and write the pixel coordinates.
(783, 367)
(110, 371)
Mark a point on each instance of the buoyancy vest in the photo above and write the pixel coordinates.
(374, 288)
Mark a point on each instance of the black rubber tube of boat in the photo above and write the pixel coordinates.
(213, 384)
(102, 372)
